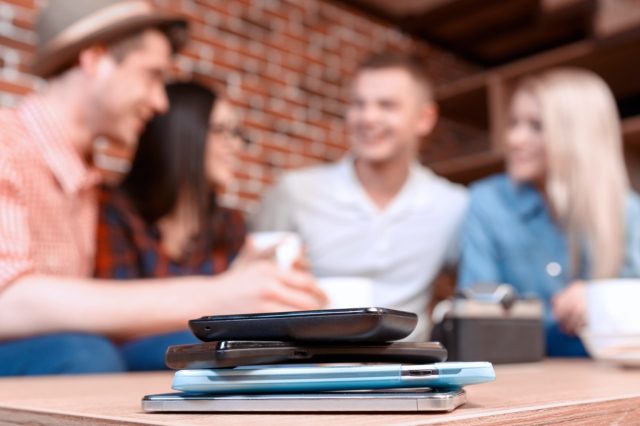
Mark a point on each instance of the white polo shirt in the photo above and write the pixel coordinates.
(401, 248)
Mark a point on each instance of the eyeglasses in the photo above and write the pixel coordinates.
(229, 132)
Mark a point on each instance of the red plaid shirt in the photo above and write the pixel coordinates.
(128, 247)
(47, 196)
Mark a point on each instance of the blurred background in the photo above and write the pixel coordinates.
(286, 63)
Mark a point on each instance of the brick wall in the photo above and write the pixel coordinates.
(284, 63)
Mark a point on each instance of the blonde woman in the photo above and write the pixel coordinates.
(564, 212)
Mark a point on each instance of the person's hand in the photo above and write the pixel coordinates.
(260, 286)
(570, 307)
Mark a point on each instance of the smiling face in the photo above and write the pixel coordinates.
(223, 146)
(387, 115)
(127, 93)
(525, 149)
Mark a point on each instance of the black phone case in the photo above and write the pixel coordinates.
(331, 325)
(232, 354)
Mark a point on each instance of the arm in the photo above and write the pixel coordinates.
(32, 304)
(570, 305)
(36, 304)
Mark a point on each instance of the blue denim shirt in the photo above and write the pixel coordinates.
(510, 237)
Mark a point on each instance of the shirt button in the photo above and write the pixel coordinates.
(553, 269)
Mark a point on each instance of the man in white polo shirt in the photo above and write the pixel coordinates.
(377, 213)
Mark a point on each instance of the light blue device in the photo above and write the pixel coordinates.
(312, 378)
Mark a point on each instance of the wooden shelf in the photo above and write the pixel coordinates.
(617, 61)
(458, 90)
(468, 168)
(463, 106)
(482, 100)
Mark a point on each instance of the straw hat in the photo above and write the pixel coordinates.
(66, 27)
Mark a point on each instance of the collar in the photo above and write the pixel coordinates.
(53, 141)
(528, 200)
(416, 190)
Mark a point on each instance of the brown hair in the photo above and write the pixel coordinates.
(410, 62)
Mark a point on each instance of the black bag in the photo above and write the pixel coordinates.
(492, 326)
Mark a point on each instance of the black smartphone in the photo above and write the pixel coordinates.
(330, 325)
(235, 353)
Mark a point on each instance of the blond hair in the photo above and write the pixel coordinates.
(586, 178)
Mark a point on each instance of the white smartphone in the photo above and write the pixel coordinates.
(372, 401)
(313, 378)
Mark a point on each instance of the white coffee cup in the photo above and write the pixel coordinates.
(347, 292)
(288, 246)
(612, 306)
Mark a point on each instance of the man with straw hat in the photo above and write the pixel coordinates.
(105, 63)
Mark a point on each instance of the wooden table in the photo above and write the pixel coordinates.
(551, 392)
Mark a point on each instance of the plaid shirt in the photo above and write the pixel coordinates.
(128, 247)
(47, 195)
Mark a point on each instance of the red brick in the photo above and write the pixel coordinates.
(291, 75)
(31, 4)
(17, 44)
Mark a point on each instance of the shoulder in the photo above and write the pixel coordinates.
(438, 194)
(309, 179)
(492, 197)
(453, 192)
(313, 174)
(493, 186)
(492, 192)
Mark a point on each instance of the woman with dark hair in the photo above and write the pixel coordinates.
(163, 220)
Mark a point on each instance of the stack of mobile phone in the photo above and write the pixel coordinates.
(329, 360)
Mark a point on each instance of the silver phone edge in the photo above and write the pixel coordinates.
(410, 402)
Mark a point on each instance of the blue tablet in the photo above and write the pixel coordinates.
(313, 378)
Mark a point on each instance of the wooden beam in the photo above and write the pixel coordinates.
(398, 9)
(479, 20)
(555, 6)
(403, 8)
(498, 112)
(525, 41)
(516, 69)
(631, 131)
